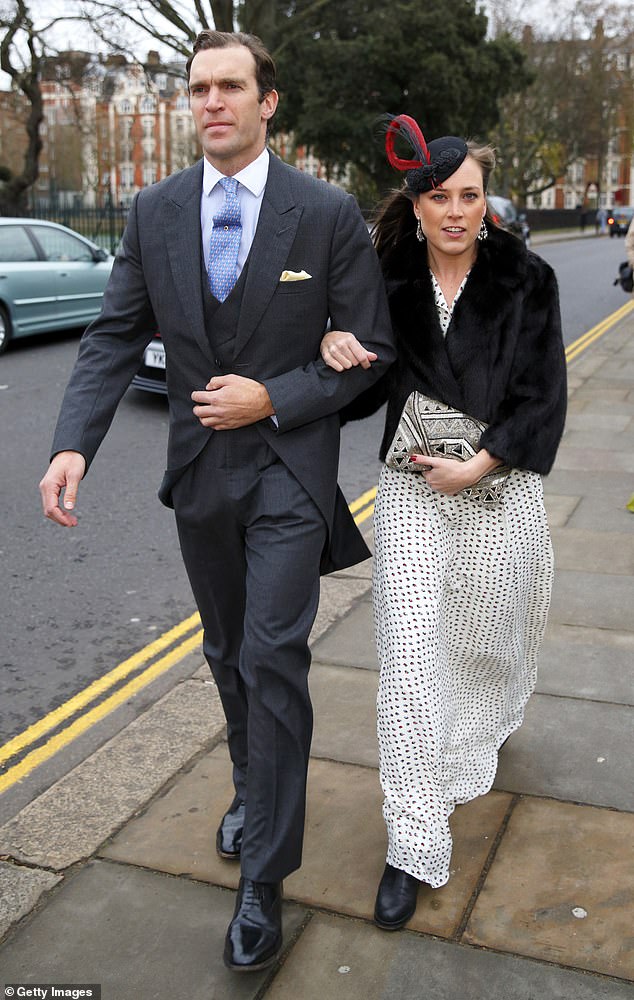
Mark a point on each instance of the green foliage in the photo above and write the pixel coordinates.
(354, 61)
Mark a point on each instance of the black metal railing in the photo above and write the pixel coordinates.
(104, 226)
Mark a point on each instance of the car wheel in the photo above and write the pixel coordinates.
(5, 329)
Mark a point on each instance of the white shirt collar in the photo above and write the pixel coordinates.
(253, 176)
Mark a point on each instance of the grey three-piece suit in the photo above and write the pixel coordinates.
(258, 509)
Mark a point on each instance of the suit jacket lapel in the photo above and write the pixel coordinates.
(274, 236)
(181, 221)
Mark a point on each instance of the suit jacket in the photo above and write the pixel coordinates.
(502, 359)
(304, 224)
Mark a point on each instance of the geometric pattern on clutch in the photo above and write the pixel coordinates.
(429, 427)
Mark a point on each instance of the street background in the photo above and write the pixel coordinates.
(107, 865)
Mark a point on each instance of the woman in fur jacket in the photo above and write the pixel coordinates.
(462, 578)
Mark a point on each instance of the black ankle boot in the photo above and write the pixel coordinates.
(396, 899)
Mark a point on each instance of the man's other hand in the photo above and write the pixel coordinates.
(64, 473)
(230, 401)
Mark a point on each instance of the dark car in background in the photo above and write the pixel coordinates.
(51, 278)
(151, 375)
(619, 220)
(505, 215)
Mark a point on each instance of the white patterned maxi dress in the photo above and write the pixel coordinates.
(461, 596)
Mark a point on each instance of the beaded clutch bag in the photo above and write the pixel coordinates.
(428, 427)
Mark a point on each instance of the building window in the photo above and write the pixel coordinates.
(148, 104)
(127, 175)
(125, 108)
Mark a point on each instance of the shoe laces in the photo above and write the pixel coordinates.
(252, 891)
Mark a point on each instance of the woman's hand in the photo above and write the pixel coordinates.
(449, 476)
(341, 350)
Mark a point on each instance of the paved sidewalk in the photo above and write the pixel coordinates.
(110, 876)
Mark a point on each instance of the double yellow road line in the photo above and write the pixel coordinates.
(35, 746)
(575, 349)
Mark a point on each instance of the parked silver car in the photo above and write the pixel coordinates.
(51, 278)
(505, 215)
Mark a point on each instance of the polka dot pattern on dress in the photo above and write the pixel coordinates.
(461, 596)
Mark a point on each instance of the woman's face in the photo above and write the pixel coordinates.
(451, 214)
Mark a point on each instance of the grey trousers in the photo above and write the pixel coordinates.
(251, 540)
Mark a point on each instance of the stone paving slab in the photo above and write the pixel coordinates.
(600, 398)
(559, 508)
(21, 890)
(586, 551)
(344, 703)
(594, 460)
(571, 750)
(606, 511)
(579, 483)
(611, 423)
(571, 898)
(349, 960)
(337, 595)
(350, 643)
(86, 805)
(604, 401)
(143, 936)
(618, 369)
(344, 844)
(593, 600)
(599, 440)
(590, 663)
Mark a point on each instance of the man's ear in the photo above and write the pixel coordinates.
(268, 104)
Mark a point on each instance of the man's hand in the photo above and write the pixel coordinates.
(230, 401)
(64, 473)
(341, 350)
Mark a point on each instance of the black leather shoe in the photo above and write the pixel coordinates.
(254, 938)
(396, 899)
(229, 835)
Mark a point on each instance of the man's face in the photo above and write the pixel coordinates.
(230, 119)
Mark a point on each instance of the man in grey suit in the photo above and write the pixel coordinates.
(241, 262)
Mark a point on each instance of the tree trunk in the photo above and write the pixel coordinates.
(14, 191)
(222, 11)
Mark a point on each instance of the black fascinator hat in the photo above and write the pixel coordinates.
(434, 162)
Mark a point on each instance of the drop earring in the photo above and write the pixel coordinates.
(420, 236)
(483, 231)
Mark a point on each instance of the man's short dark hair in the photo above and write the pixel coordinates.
(264, 65)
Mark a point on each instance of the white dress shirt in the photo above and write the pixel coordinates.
(251, 184)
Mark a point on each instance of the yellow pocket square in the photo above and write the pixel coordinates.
(295, 276)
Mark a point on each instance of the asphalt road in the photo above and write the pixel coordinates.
(75, 603)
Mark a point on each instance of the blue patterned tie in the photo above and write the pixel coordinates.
(225, 242)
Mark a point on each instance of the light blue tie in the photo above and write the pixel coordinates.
(225, 242)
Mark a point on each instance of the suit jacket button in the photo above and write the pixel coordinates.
(218, 363)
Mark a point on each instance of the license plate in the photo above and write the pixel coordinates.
(155, 356)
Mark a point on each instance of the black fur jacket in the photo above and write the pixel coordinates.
(501, 361)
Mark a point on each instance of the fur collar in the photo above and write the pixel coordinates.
(502, 262)
(484, 309)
